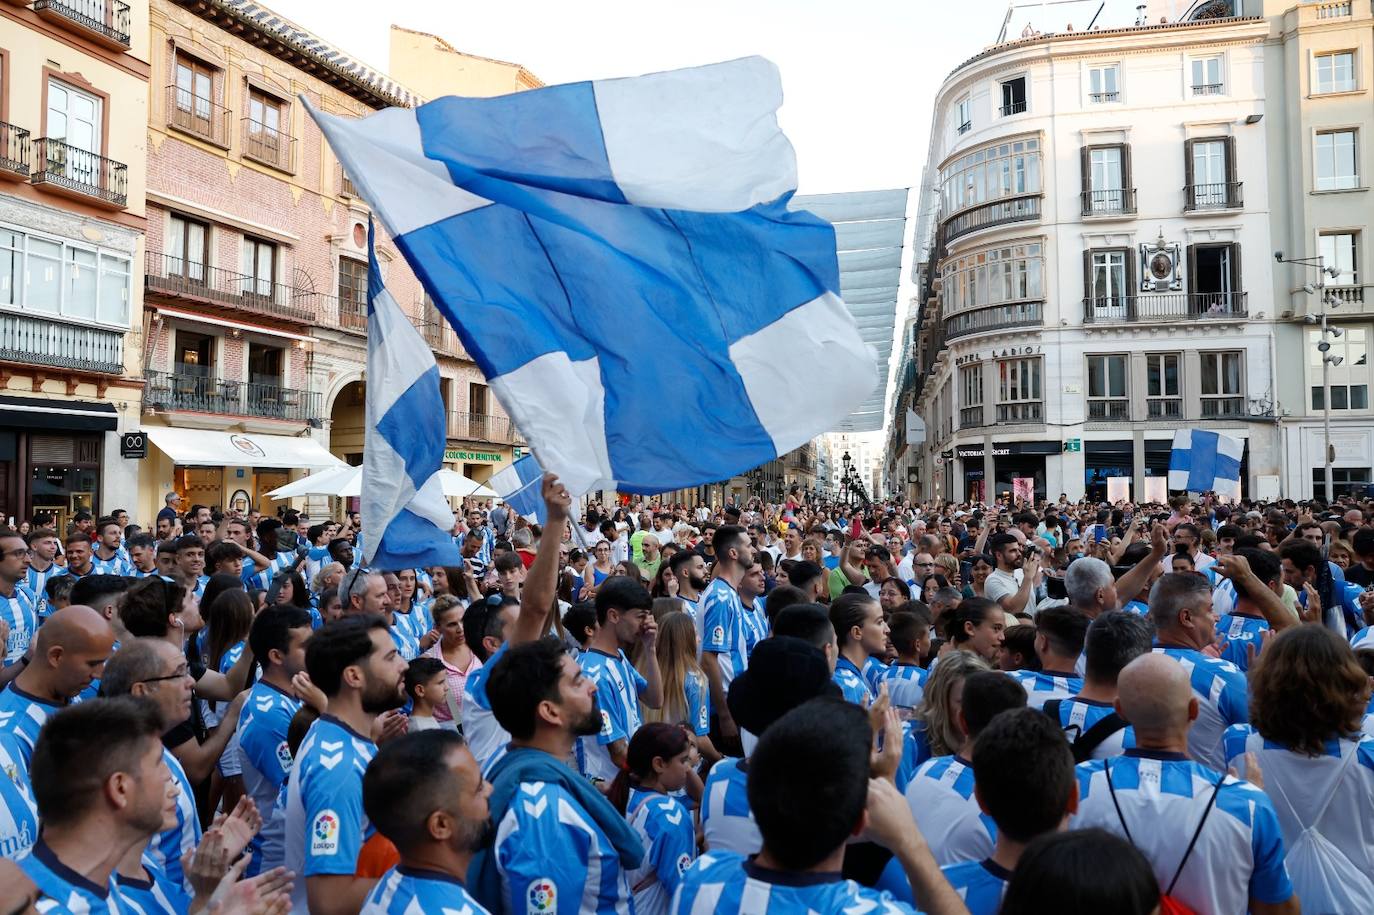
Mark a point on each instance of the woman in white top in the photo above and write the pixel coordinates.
(1307, 702)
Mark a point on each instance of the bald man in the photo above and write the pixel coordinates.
(69, 652)
(1154, 796)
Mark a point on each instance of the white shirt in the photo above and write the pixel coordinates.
(1002, 584)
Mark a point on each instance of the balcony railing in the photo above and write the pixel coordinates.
(1223, 196)
(1222, 407)
(180, 277)
(993, 317)
(1013, 108)
(1208, 89)
(14, 150)
(1337, 10)
(74, 170)
(36, 341)
(483, 427)
(1109, 202)
(438, 335)
(201, 394)
(197, 116)
(352, 311)
(346, 187)
(268, 145)
(1164, 407)
(965, 127)
(1167, 306)
(1347, 295)
(1098, 98)
(106, 20)
(970, 417)
(1117, 408)
(993, 213)
(1020, 412)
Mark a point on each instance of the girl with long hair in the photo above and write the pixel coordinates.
(664, 583)
(686, 694)
(658, 761)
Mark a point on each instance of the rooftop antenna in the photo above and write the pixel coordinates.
(1095, 15)
(1140, 14)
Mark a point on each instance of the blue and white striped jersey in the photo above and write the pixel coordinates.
(941, 798)
(481, 730)
(851, 682)
(721, 883)
(874, 672)
(1303, 786)
(1239, 852)
(165, 849)
(1363, 639)
(263, 579)
(618, 686)
(1239, 633)
(1222, 695)
(981, 884)
(412, 891)
(18, 610)
(266, 759)
(1138, 607)
(726, 820)
(63, 890)
(118, 564)
(1043, 685)
(155, 894)
(1077, 716)
(403, 634)
(36, 583)
(325, 824)
(906, 684)
(724, 630)
(23, 715)
(18, 810)
(665, 827)
(553, 857)
(698, 695)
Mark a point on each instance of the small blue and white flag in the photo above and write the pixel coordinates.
(407, 514)
(519, 487)
(618, 258)
(1204, 461)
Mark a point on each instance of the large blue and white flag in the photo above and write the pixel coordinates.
(618, 258)
(1204, 461)
(408, 516)
(519, 486)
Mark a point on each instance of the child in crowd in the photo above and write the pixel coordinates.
(427, 686)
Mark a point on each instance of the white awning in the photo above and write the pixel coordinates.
(200, 448)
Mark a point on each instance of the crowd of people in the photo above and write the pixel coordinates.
(646, 708)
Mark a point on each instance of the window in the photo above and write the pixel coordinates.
(1107, 387)
(353, 281)
(1104, 84)
(1335, 72)
(193, 98)
(1018, 389)
(187, 248)
(194, 354)
(1207, 78)
(1106, 180)
(1163, 389)
(477, 398)
(1349, 370)
(1214, 280)
(74, 135)
(1014, 96)
(1221, 385)
(264, 364)
(1340, 250)
(1005, 170)
(1210, 170)
(992, 277)
(962, 117)
(1335, 163)
(971, 399)
(1108, 282)
(263, 137)
(259, 266)
(51, 277)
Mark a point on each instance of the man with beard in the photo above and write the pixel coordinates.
(689, 569)
(560, 845)
(423, 791)
(354, 662)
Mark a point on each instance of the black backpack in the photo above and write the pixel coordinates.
(1083, 743)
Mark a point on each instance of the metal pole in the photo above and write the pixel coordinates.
(1326, 411)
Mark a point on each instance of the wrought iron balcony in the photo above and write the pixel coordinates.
(993, 317)
(199, 117)
(106, 21)
(1119, 408)
(439, 337)
(268, 145)
(1222, 196)
(1032, 411)
(1222, 407)
(965, 127)
(77, 172)
(183, 278)
(993, 213)
(37, 341)
(1118, 201)
(202, 394)
(1013, 108)
(484, 427)
(351, 311)
(14, 151)
(1164, 407)
(1165, 306)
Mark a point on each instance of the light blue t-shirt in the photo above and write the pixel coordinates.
(729, 884)
(266, 760)
(618, 686)
(665, 828)
(18, 810)
(410, 891)
(724, 630)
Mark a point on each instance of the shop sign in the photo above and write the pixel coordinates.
(455, 455)
(133, 445)
(247, 446)
(1005, 352)
(1073, 446)
(969, 453)
(973, 452)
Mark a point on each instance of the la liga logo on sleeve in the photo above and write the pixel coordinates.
(324, 833)
(542, 897)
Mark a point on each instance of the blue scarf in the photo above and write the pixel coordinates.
(523, 765)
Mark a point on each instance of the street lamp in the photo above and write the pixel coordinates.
(1323, 347)
(844, 476)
